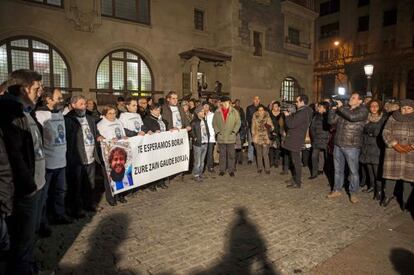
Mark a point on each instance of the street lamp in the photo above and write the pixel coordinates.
(341, 91)
(369, 70)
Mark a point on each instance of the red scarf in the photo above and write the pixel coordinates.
(225, 113)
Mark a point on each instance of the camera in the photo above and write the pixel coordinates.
(335, 98)
(287, 107)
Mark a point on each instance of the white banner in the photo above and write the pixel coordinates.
(139, 160)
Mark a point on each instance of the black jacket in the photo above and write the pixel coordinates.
(19, 145)
(243, 124)
(151, 124)
(6, 180)
(76, 154)
(319, 131)
(372, 142)
(297, 125)
(196, 131)
(349, 125)
(276, 133)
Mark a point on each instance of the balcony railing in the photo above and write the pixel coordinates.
(310, 4)
(298, 43)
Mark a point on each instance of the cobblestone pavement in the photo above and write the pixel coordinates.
(249, 224)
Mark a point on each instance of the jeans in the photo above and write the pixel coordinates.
(55, 187)
(297, 167)
(351, 157)
(262, 155)
(199, 157)
(250, 148)
(210, 155)
(22, 229)
(227, 157)
(81, 187)
(318, 160)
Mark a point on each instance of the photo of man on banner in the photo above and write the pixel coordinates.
(121, 176)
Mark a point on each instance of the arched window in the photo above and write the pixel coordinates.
(290, 89)
(124, 70)
(35, 54)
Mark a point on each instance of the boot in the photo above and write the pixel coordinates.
(386, 201)
(378, 196)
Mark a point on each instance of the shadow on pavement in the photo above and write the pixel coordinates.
(102, 255)
(245, 250)
(403, 261)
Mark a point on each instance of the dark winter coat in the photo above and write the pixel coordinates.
(319, 131)
(243, 124)
(6, 179)
(196, 131)
(349, 125)
(372, 141)
(76, 154)
(19, 145)
(398, 166)
(167, 116)
(276, 133)
(297, 125)
(151, 124)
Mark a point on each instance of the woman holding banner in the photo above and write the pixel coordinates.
(110, 128)
(154, 123)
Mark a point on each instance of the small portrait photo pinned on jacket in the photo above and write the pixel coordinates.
(120, 172)
(60, 135)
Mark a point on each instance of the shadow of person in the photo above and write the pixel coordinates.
(402, 261)
(245, 250)
(102, 255)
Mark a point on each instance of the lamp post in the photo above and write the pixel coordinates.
(369, 70)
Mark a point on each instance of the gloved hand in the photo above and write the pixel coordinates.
(407, 147)
(400, 148)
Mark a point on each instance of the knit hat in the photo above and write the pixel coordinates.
(407, 102)
(198, 109)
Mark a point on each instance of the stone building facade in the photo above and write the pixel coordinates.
(351, 34)
(261, 47)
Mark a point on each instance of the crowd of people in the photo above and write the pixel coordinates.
(50, 153)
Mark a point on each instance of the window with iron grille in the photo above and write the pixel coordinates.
(34, 54)
(132, 10)
(363, 23)
(294, 36)
(55, 3)
(124, 70)
(198, 19)
(288, 90)
(389, 18)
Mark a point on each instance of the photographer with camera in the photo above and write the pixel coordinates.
(297, 125)
(350, 121)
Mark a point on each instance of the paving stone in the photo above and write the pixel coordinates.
(248, 223)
